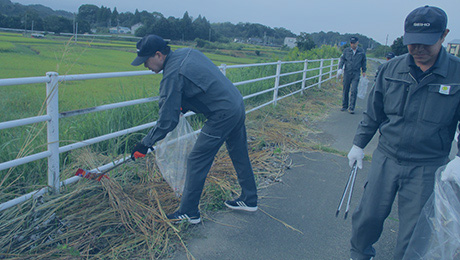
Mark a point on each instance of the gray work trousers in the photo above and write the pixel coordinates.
(350, 89)
(414, 185)
(222, 127)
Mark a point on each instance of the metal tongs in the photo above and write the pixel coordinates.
(350, 184)
(96, 174)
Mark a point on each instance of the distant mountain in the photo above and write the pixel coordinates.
(15, 9)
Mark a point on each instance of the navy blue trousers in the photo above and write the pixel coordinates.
(222, 127)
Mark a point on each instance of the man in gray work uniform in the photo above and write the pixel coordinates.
(352, 62)
(415, 105)
(192, 82)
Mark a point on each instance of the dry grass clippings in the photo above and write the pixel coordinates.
(124, 217)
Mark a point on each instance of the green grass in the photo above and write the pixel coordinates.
(35, 57)
(29, 57)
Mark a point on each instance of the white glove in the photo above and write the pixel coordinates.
(356, 154)
(339, 72)
(452, 170)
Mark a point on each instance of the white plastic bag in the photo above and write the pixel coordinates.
(172, 152)
(362, 87)
(437, 233)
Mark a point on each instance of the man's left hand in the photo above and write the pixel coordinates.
(140, 151)
(364, 74)
(452, 170)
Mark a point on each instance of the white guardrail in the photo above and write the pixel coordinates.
(52, 116)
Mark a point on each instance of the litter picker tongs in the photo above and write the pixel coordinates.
(96, 174)
(350, 184)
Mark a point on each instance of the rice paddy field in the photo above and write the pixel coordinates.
(122, 217)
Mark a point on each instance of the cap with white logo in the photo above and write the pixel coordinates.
(424, 25)
(147, 47)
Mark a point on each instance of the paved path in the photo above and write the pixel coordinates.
(297, 219)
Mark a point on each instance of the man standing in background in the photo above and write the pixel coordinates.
(352, 62)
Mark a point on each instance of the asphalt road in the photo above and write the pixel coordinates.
(296, 217)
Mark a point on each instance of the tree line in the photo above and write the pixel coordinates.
(93, 19)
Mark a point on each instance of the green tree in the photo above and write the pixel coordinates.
(398, 47)
(201, 28)
(163, 28)
(103, 16)
(58, 24)
(305, 42)
(186, 28)
(88, 13)
(114, 17)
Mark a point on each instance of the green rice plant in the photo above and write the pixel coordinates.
(6, 46)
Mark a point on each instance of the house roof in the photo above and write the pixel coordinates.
(456, 41)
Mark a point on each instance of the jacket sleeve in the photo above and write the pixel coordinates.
(342, 60)
(170, 104)
(373, 116)
(364, 63)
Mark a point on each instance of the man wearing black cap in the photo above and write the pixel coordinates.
(192, 82)
(390, 55)
(415, 105)
(352, 61)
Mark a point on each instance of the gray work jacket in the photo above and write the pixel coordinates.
(416, 121)
(353, 62)
(191, 82)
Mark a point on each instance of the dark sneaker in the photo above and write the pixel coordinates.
(351, 111)
(240, 205)
(178, 217)
(343, 109)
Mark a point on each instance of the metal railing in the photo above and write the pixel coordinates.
(52, 117)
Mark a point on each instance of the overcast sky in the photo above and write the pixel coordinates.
(382, 20)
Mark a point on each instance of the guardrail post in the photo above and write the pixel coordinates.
(304, 76)
(223, 69)
(277, 82)
(332, 66)
(52, 109)
(320, 79)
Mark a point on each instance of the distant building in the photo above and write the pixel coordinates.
(290, 42)
(119, 30)
(453, 47)
(135, 27)
(257, 41)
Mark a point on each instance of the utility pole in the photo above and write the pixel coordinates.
(386, 42)
(25, 24)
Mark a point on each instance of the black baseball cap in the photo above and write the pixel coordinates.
(390, 55)
(353, 39)
(424, 25)
(147, 47)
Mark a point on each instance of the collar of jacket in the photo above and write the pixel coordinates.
(358, 49)
(441, 65)
(166, 59)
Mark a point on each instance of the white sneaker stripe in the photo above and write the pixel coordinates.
(241, 204)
